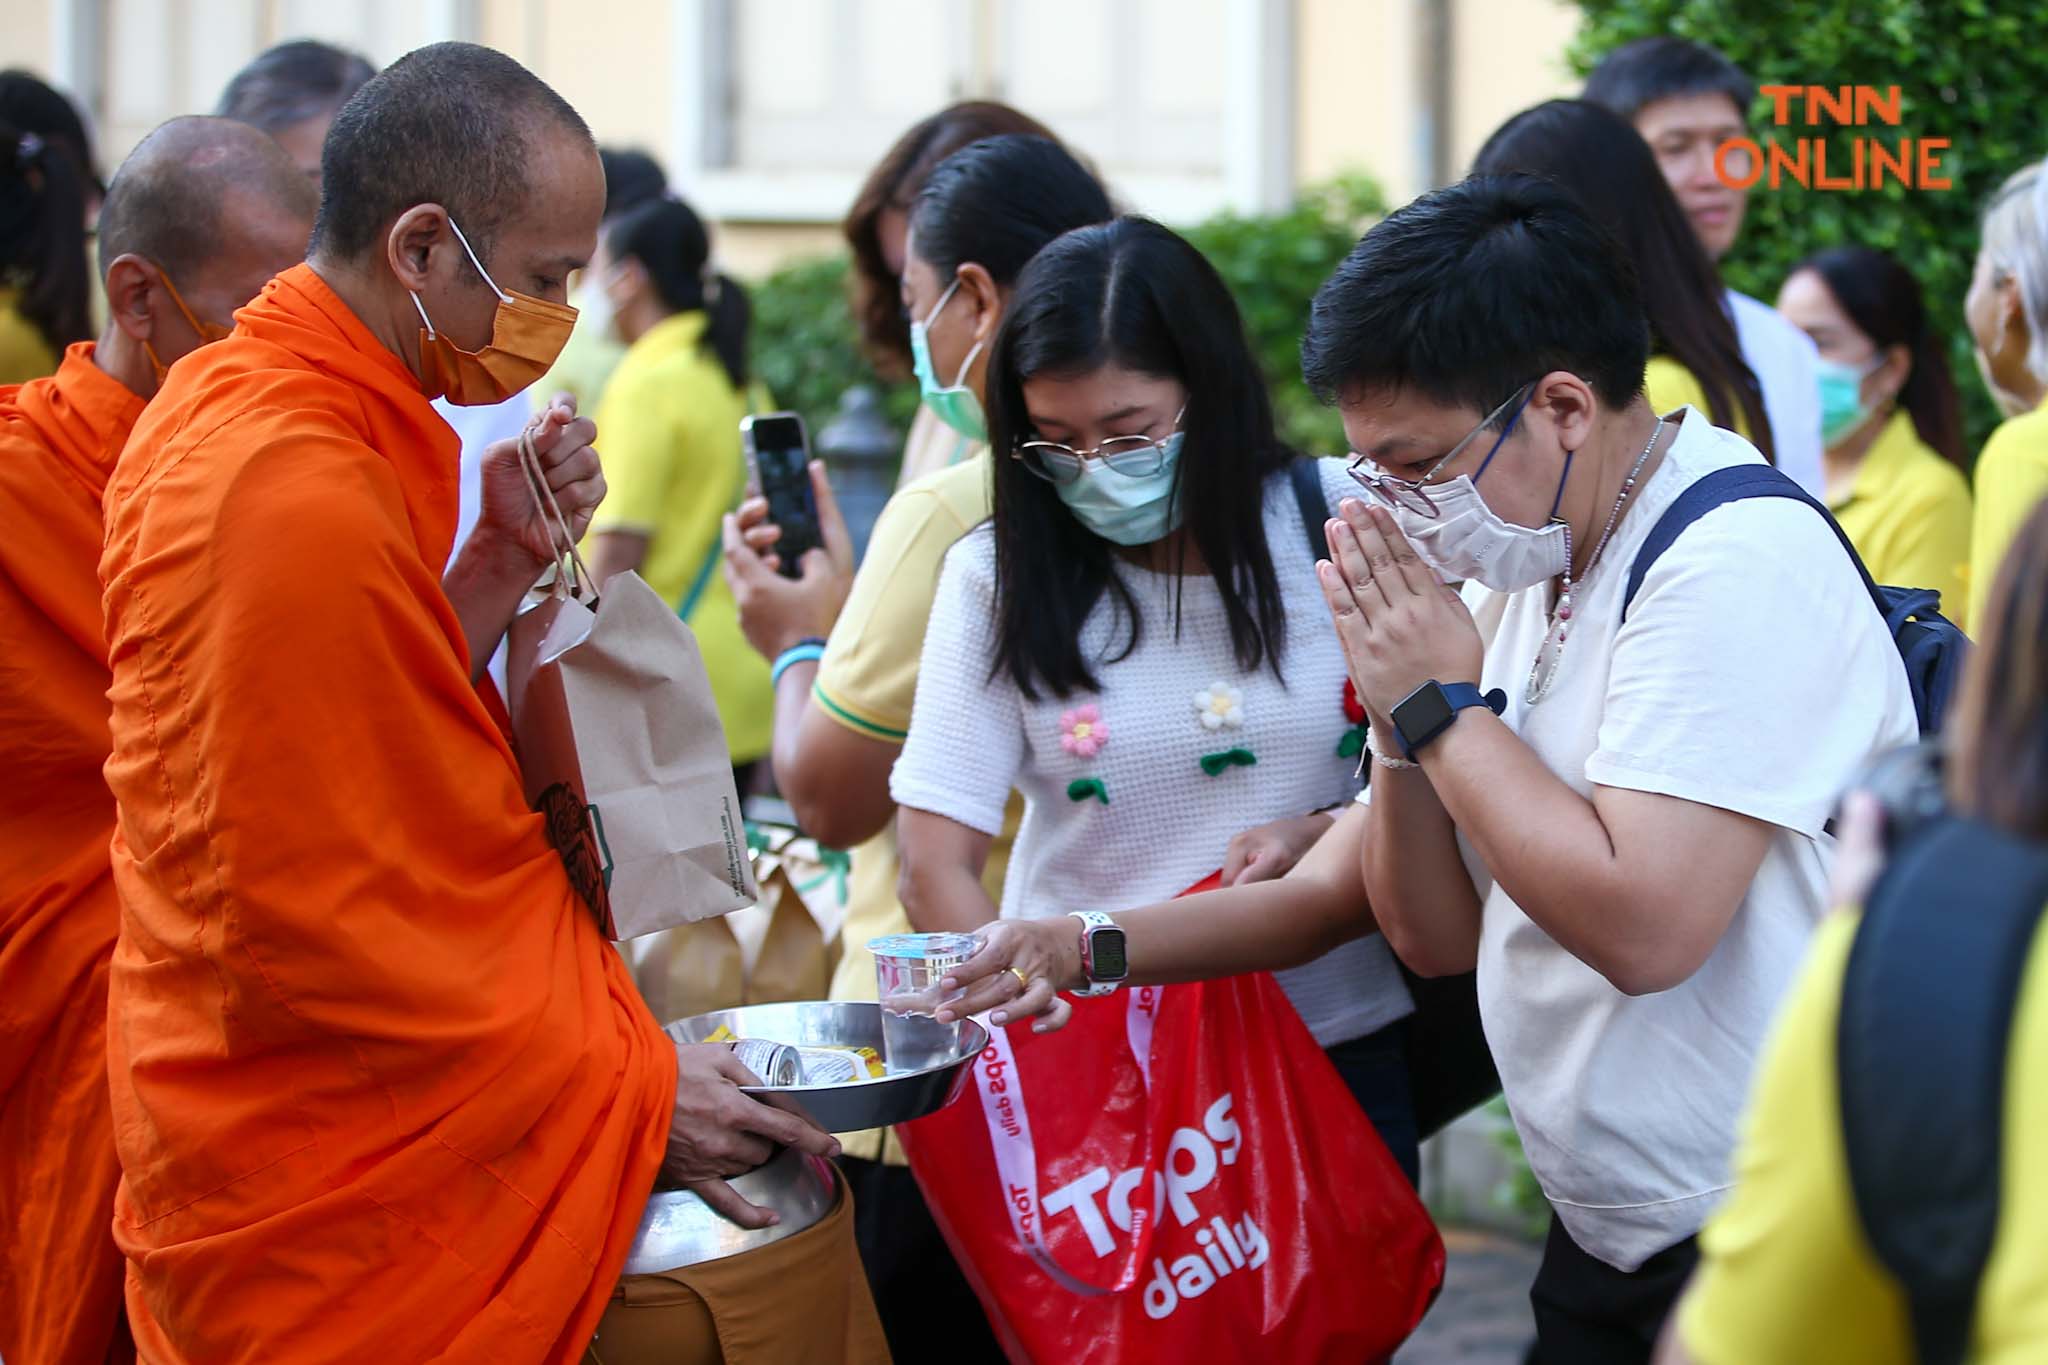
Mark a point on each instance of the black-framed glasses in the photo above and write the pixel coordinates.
(1412, 494)
(1132, 456)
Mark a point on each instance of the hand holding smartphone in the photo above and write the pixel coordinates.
(778, 460)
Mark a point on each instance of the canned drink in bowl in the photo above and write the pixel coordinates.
(775, 1063)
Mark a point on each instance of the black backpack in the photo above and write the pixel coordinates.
(1927, 1010)
(1931, 646)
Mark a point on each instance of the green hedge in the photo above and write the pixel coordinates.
(1972, 71)
(805, 349)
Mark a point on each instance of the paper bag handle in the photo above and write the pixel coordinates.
(568, 560)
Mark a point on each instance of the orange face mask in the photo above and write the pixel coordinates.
(526, 335)
(206, 331)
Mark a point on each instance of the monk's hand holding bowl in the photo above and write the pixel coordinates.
(716, 1131)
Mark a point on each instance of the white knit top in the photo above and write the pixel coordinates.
(1131, 794)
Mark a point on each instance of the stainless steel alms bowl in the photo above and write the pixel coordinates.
(844, 1108)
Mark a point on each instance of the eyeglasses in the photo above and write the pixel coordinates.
(1411, 494)
(1132, 456)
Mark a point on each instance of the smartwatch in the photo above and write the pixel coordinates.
(1102, 952)
(1428, 711)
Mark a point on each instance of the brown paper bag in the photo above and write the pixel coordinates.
(785, 947)
(621, 749)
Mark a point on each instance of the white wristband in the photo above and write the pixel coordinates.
(1380, 756)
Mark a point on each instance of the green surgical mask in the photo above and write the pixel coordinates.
(956, 405)
(1842, 408)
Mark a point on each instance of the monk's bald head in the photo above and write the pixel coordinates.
(200, 190)
(452, 124)
(202, 214)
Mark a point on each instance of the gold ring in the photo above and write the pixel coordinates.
(1023, 981)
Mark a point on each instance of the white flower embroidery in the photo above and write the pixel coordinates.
(1220, 705)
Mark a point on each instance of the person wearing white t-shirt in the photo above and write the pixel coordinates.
(1135, 642)
(1619, 818)
(1687, 100)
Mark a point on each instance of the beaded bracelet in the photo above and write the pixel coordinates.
(803, 651)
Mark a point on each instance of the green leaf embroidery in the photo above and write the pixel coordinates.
(1081, 788)
(1352, 743)
(1214, 764)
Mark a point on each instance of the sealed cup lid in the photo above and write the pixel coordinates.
(938, 950)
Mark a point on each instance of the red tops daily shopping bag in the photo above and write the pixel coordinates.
(1179, 1174)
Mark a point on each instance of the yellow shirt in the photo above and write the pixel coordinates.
(1670, 386)
(867, 681)
(1786, 1277)
(930, 447)
(668, 430)
(2012, 476)
(24, 354)
(1907, 511)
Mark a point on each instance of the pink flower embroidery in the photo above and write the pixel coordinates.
(1083, 731)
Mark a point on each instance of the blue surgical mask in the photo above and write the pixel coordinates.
(956, 405)
(1842, 408)
(1123, 508)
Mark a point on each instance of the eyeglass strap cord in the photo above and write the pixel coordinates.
(1506, 432)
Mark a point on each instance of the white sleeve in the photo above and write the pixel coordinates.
(1752, 672)
(1786, 366)
(966, 741)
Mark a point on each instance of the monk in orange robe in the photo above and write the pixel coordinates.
(198, 218)
(382, 1092)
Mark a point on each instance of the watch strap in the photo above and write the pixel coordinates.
(1093, 919)
(1457, 697)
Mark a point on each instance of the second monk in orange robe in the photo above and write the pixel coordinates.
(199, 216)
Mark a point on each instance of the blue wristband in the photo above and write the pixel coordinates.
(803, 651)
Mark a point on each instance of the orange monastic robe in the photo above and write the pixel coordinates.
(381, 1091)
(60, 1274)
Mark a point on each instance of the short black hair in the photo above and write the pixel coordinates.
(1471, 291)
(169, 198)
(449, 124)
(1664, 67)
(292, 82)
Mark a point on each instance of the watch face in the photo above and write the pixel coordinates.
(1106, 961)
(1422, 713)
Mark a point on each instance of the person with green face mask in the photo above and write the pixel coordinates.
(1890, 417)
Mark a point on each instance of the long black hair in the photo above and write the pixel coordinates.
(1607, 166)
(1133, 294)
(672, 244)
(1883, 299)
(42, 235)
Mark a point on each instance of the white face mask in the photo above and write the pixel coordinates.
(1466, 539)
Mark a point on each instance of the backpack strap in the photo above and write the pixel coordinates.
(1927, 1007)
(1733, 484)
(1315, 508)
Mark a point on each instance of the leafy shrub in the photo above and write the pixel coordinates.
(807, 353)
(1971, 71)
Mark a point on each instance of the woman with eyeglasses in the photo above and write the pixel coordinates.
(1136, 642)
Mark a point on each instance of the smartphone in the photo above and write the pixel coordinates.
(779, 459)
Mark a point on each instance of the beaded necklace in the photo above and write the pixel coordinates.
(1543, 672)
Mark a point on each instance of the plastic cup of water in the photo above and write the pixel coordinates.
(908, 970)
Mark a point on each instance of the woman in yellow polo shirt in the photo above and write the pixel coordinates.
(669, 429)
(1890, 419)
(2007, 312)
(44, 282)
(1787, 1275)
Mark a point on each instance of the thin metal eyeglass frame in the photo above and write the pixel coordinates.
(1389, 489)
(1048, 451)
